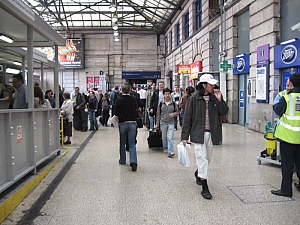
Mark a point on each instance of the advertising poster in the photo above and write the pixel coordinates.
(96, 82)
(71, 55)
(89, 83)
(261, 90)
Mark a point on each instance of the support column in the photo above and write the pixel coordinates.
(29, 66)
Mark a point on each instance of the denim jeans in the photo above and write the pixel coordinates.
(151, 121)
(93, 121)
(167, 131)
(127, 129)
(181, 116)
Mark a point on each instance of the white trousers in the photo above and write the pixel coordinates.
(203, 153)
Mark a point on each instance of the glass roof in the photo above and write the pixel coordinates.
(82, 15)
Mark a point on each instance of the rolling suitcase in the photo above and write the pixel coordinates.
(155, 139)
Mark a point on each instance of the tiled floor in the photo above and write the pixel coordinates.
(97, 190)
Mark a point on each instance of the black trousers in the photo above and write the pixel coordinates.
(290, 155)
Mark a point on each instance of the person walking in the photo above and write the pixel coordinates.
(166, 112)
(288, 133)
(176, 97)
(149, 96)
(92, 110)
(156, 98)
(125, 111)
(202, 125)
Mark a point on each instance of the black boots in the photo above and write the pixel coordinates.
(205, 192)
(198, 180)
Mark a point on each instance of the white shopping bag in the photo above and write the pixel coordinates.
(183, 155)
(113, 121)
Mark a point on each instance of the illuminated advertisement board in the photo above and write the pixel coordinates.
(71, 55)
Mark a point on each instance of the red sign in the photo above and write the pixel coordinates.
(89, 83)
(96, 82)
(184, 69)
(196, 67)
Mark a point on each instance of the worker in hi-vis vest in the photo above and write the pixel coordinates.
(283, 92)
(288, 134)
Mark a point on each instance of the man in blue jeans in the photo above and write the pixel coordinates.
(166, 111)
(125, 111)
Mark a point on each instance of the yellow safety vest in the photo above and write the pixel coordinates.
(282, 93)
(288, 127)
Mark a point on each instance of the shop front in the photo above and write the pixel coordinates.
(242, 69)
(287, 60)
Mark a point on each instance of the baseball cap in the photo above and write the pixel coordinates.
(208, 78)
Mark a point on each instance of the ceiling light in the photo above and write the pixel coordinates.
(116, 33)
(17, 63)
(117, 39)
(114, 18)
(6, 39)
(12, 71)
(112, 8)
(115, 26)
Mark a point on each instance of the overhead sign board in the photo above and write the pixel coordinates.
(141, 74)
(184, 69)
(287, 55)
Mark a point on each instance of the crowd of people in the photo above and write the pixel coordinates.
(199, 113)
(163, 111)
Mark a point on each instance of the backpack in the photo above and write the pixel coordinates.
(160, 104)
(105, 105)
(116, 96)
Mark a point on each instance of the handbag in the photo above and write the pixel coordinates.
(139, 112)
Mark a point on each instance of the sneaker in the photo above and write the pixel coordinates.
(67, 143)
(165, 152)
(171, 154)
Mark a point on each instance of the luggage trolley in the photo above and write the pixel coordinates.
(271, 153)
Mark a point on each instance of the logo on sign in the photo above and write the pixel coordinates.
(240, 64)
(289, 54)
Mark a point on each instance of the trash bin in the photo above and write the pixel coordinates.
(271, 143)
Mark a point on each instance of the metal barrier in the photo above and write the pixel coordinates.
(28, 138)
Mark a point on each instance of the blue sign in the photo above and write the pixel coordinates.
(141, 75)
(242, 99)
(241, 64)
(287, 55)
